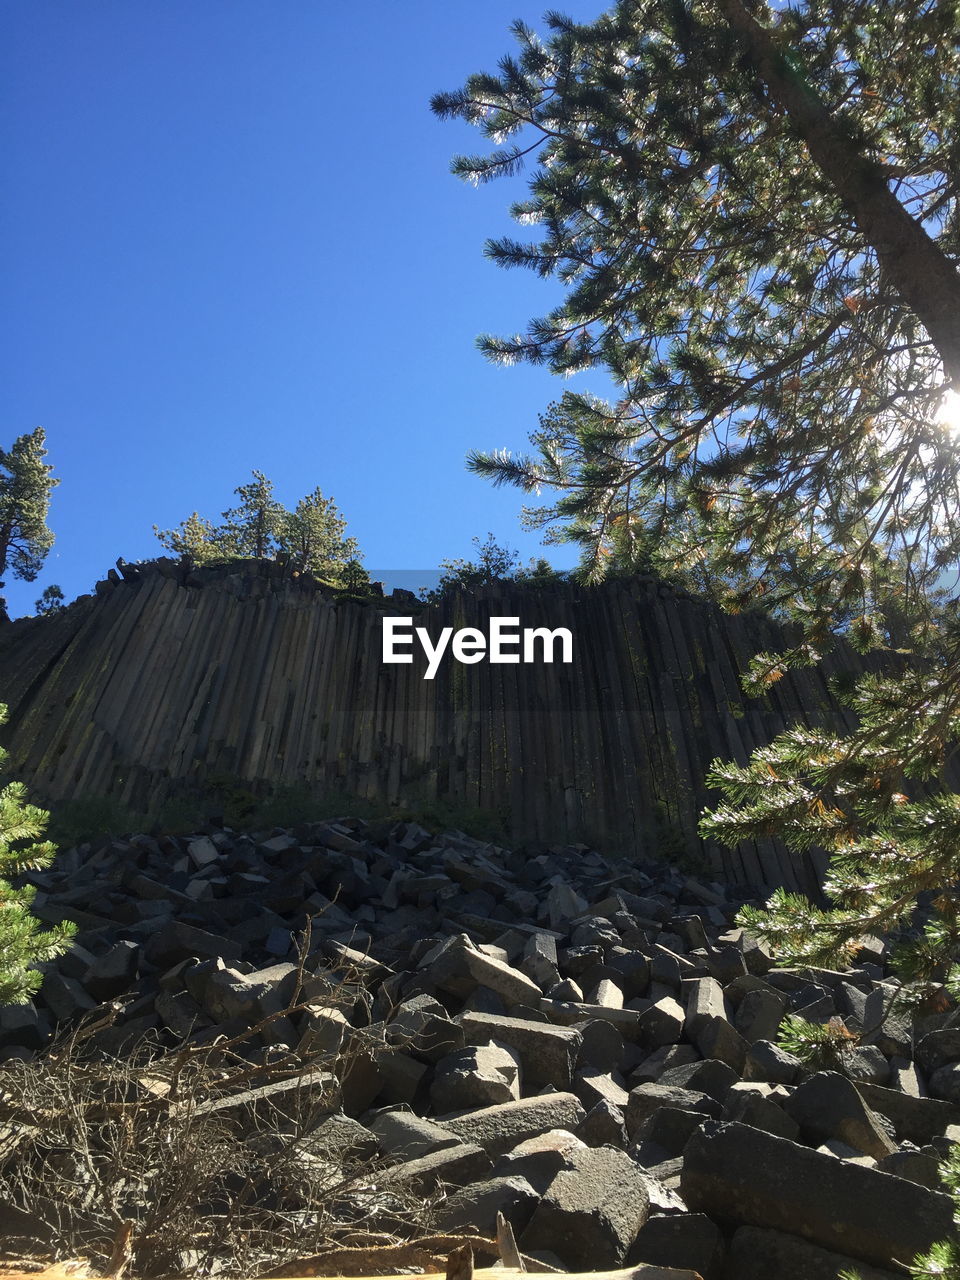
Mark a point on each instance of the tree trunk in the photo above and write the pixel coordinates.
(920, 271)
(6, 533)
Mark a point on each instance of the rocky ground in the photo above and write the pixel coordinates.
(584, 1045)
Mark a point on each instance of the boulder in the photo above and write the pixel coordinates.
(452, 1166)
(406, 1136)
(177, 941)
(476, 1076)
(661, 1024)
(745, 1177)
(547, 1053)
(113, 973)
(458, 966)
(475, 1208)
(756, 1254)
(647, 1099)
(498, 1129)
(681, 1240)
(590, 1214)
(828, 1106)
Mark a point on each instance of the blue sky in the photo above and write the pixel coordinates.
(231, 241)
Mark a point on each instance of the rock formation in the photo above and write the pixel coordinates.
(166, 680)
(585, 1044)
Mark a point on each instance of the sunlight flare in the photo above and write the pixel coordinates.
(948, 414)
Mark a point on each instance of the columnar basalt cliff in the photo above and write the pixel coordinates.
(166, 679)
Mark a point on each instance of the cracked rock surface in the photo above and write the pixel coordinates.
(586, 1045)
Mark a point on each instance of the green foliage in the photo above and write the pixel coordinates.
(25, 486)
(354, 579)
(780, 369)
(244, 807)
(194, 538)
(819, 1046)
(311, 538)
(253, 527)
(51, 601)
(494, 563)
(22, 942)
(446, 815)
(721, 215)
(850, 795)
(539, 572)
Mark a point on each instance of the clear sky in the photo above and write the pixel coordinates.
(230, 240)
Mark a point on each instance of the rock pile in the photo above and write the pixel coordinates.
(586, 1046)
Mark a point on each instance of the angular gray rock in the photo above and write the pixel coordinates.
(760, 1014)
(919, 1120)
(539, 1158)
(603, 1126)
(593, 1086)
(828, 1106)
(718, 1039)
(590, 1214)
(944, 1083)
(669, 1129)
(458, 966)
(647, 1099)
(407, 1136)
(743, 1176)
(756, 1254)
(337, 1138)
(662, 1023)
(748, 1106)
(476, 1076)
(681, 1240)
(547, 1053)
(66, 998)
(706, 1076)
(113, 973)
(767, 1061)
(915, 1165)
(178, 940)
(705, 1000)
(452, 1166)
(475, 1207)
(423, 1025)
(498, 1129)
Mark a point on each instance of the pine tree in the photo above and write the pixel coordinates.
(754, 214)
(23, 943)
(252, 528)
(732, 199)
(51, 601)
(494, 563)
(312, 537)
(354, 578)
(25, 486)
(194, 538)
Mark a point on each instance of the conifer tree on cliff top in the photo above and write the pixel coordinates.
(311, 537)
(754, 213)
(25, 487)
